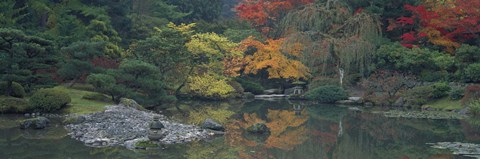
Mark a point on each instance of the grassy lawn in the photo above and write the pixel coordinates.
(446, 104)
(82, 106)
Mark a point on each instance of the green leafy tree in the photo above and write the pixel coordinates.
(147, 14)
(143, 79)
(78, 56)
(108, 84)
(11, 15)
(166, 50)
(21, 56)
(207, 10)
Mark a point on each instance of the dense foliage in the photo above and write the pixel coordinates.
(17, 89)
(327, 94)
(13, 105)
(49, 99)
(155, 51)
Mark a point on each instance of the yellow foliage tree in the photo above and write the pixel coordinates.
(210, 86)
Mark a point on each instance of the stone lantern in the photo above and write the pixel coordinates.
(155, 133)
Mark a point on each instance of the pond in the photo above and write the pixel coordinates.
(297, 131)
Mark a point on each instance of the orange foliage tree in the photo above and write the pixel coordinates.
(274, 57)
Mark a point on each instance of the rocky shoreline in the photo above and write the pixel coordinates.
(120, 125)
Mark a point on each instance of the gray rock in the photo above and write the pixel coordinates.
(131, 103)
(35, 123)
(258, 128)
(74, 119)
(212, 125)
(120, 124)
(346, 102)
(356, 99)
(272, 91)
(368, 104)
(130, 144)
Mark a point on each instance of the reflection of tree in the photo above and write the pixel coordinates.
(471, 128)
(288, 139)
(286, 131)
(219, 112)
(211, 150)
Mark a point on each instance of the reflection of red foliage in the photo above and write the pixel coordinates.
(470, 131)
(325, 137)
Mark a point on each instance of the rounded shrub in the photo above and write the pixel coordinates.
(18, 90)
(418, 96)
(324, 82)
(250, 86)
(440, 90)
(13, 105)
(327, 94)
(49, 99)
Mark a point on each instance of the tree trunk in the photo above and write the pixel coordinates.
(177, 92)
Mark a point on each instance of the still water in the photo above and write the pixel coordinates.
(297, 131)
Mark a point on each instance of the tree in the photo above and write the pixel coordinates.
(279, 62)
(210, 87)
(166, 50)
(462, 16)
(78, 56)
(143, 79)
(264, 13)
(208, 53)
(107, 84)
(336, 40)
(21, 56)
(147, 14)
(208, 10)
(11, 15)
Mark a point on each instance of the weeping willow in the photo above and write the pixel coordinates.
(333, 36)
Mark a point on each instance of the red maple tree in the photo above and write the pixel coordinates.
(260, 12)
(446, 24)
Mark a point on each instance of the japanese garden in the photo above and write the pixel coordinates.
(248, 79)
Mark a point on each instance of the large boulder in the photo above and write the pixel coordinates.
(35, 123)
(131, 103)
(74, 119)
(212, 125)
(258, 128)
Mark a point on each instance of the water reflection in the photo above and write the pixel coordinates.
(297, 130)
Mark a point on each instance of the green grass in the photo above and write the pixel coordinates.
(446, 104)
(82, 106)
